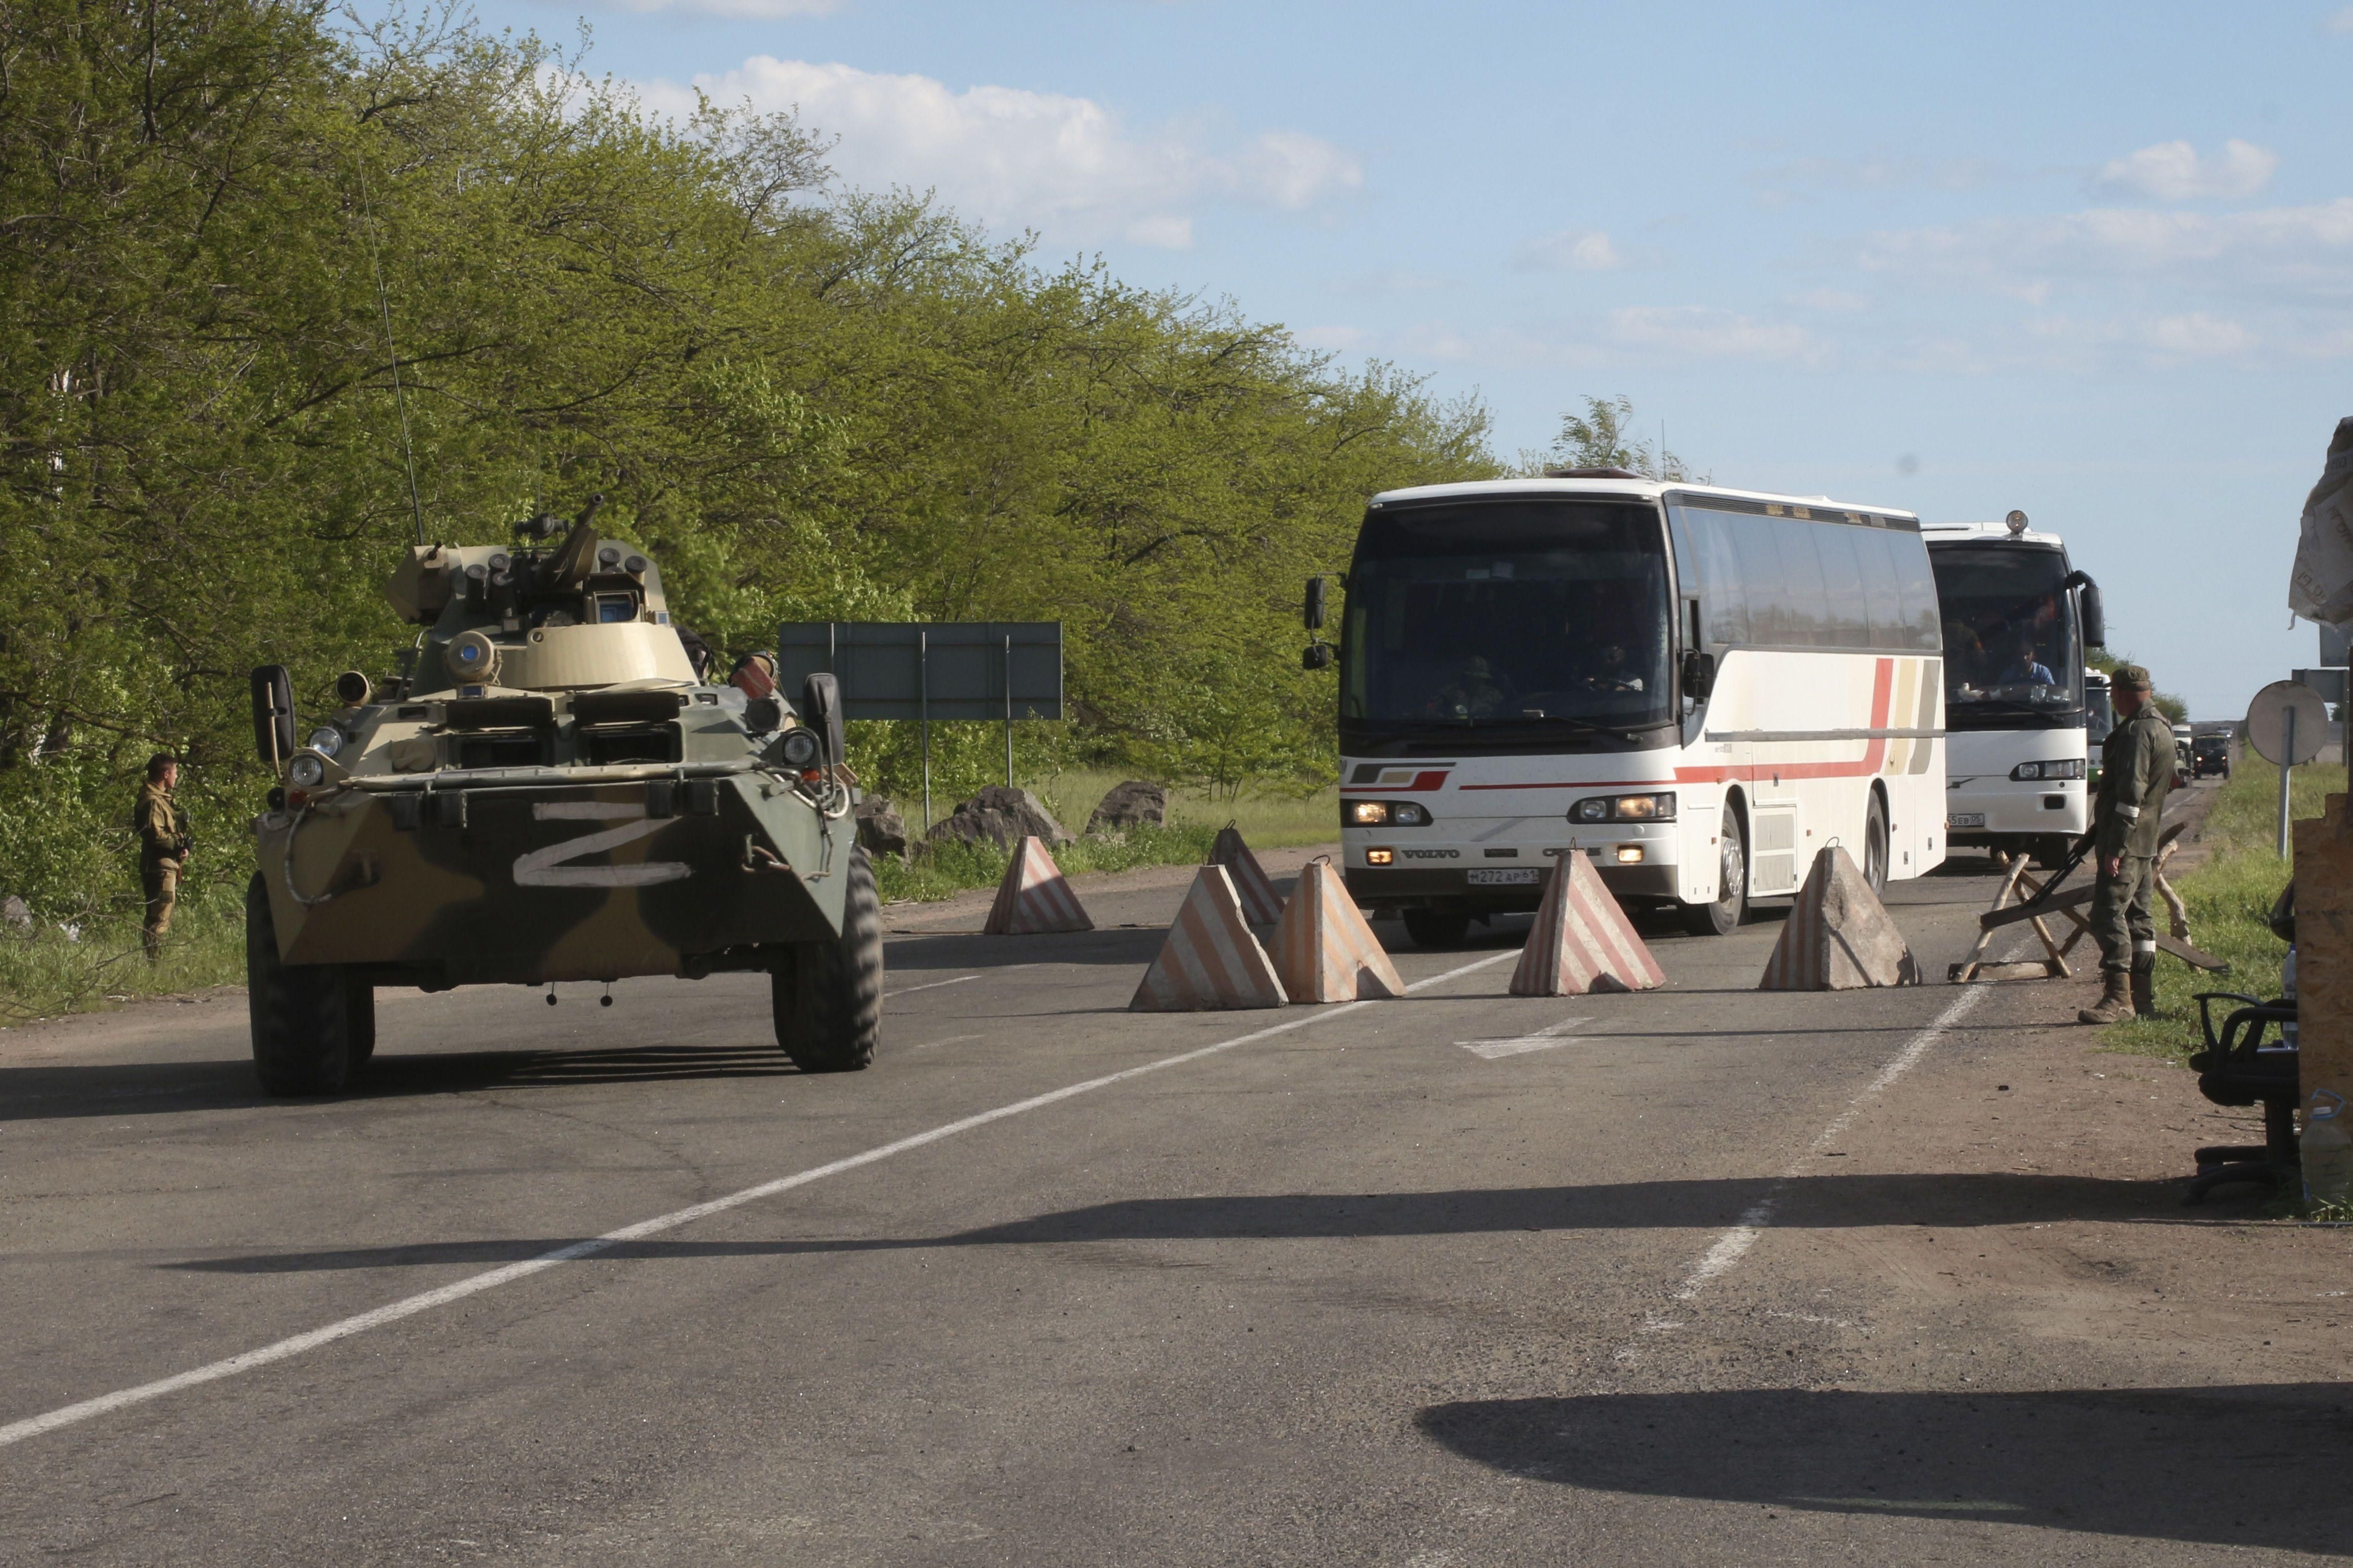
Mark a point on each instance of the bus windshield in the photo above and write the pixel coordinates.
(2011, 649)
(1522, 612)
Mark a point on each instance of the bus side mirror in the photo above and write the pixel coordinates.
(2093, 614)
(1317, 656)
(1314, 608)
(273, 714)
(1699, 674)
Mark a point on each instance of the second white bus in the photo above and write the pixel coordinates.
(1701, 687)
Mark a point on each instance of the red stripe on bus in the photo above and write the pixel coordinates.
(1882, 686)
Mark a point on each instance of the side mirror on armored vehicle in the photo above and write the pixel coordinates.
(1315, 607)
(273, 713)
(1317, 656)
(1699, 674)
(821, 712)
(2089, 610)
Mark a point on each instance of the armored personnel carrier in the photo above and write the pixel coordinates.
(551, 793)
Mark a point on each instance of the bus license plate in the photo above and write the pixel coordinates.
(1513, 876)
(1965, 819)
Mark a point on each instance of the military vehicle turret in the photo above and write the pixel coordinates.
(551, 792)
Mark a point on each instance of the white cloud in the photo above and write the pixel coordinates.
(753, 10)
(2173, 172)
(1838, 302)
(1012, 157)
(1701, 333)
(2198, 336)
(2266, 250)
(1570, 251)
(2342, 22)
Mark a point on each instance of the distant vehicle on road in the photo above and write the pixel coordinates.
(550, 793)
(1700, 687)
(2017, 618)
(2209, 756)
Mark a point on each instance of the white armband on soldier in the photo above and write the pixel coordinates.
(2129, 813)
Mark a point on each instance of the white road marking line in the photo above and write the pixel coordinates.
(1518, 1044)
(931, 985)
(1734, 1244)
(474, 1285)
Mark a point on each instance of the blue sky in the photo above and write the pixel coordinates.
(2095, 262)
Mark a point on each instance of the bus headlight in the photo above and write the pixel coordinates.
(2068, 768)
(1624, 808)
(1383, 814)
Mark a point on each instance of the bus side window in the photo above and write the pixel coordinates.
(1922, 630)
(1843, 574)
(1883, 590)
(1760, 571)
(1806, 603)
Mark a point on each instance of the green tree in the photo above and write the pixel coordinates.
(1602, 438)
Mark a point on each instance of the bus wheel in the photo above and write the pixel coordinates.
(1437, 928)
(1874, 844)
(1723, 917)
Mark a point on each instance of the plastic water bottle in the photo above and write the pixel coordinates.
(2326, 1149)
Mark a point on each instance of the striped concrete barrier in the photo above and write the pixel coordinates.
(1324, 950)
(1582, 941)
(1839, 936)
(1210, 959)
(1034, 896)
(1259, 902)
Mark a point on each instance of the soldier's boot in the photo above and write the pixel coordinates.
(2116, 1003)
(2144, 987)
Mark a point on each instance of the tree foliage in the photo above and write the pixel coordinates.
(1602, 438)
(227, 225)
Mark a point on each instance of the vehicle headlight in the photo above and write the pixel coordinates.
(1383, 814)
(800, 749)
(1624, 808)
(2066, 768)
(306, 771)
(327, 741)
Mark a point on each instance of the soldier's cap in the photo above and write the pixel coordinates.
(2129, 675)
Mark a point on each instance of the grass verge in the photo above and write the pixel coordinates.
(82, 966)
(2228, 895)
(1266, 821)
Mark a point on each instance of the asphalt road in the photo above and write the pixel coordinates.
(1352, 1291)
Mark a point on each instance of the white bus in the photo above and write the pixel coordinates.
(1701, 687)
(2016, 618)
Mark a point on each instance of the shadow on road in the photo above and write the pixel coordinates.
(151, 1089)
(2252, 1466)
(1932, 1202)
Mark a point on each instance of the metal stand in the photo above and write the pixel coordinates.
(2287, 750)
(2020, 885)
(2023, 886)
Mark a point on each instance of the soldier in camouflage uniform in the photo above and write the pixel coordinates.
(163, 843)
(2136, 764)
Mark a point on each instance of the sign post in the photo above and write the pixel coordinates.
(2285, 724)
(988, 670)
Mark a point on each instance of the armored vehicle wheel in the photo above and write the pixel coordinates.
(829, 995)
(1437, 928)
(303, 1014)
(360, 1004)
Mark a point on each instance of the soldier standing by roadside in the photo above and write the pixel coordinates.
(163, 845)
(2137, 772)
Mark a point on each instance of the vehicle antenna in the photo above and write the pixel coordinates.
(399, 398)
